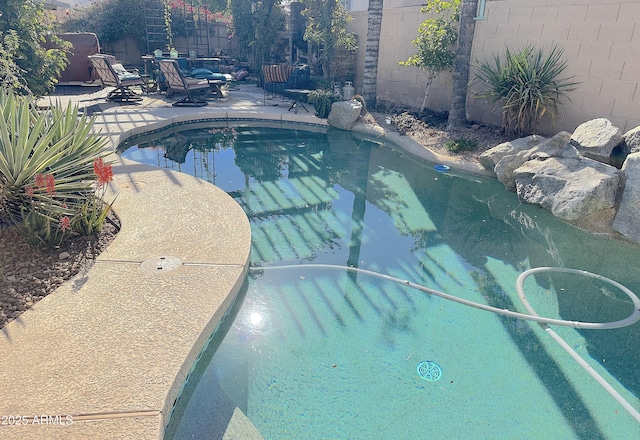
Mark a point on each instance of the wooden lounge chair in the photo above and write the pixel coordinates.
(178, 83)
(114, 75)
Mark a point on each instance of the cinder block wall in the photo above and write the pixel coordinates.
(600, 38)
(601, 42)
(403, 85)
(359, 26)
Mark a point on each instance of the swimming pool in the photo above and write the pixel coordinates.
(324, 352)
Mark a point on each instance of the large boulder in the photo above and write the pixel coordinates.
(570, 187)
(596, 139)
(492, 156)
(631, 141)
(627, 218)
(344, 114)
(507, 165)
(555, 146)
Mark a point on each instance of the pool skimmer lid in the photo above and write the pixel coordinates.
(165, 263)
(429, 370)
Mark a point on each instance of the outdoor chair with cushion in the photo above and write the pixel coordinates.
(178, 83)
(115, 75)
(276, 78)
(216, 79)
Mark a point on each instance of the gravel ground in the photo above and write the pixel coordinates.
(28, 274)
(429, 129)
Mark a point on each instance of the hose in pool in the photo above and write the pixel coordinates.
(631, 319)
(563, 344)
(531, 316)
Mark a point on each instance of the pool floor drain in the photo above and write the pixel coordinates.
(429, 370)
(161, 264)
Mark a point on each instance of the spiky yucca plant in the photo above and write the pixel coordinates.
(527, 86)
(46, 167)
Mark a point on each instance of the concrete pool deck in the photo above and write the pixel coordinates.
(106, 354)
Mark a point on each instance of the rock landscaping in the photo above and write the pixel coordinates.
(573, 175)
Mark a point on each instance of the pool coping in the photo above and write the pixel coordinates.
(111, 349)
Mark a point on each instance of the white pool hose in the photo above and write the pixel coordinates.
(531, 316)
(576, 357)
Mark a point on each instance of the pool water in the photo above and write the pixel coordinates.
(314, 351)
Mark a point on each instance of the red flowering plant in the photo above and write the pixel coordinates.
(47, 171)
(44, 221)
(199, 12)
(182, 12)
(94, 210)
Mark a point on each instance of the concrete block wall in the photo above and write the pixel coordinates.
(600, 38)
(601, 43)
(400, 84)
(359, 26)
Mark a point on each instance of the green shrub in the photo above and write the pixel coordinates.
(458, 145)
(27, 65)
(436, 41)
(49, 171)
(527, 85)
(110, 20)
(322, 100)
(318, 83)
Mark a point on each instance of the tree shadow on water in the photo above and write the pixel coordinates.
(558, 385)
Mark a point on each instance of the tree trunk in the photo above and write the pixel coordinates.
(328, 51)
(461, 64)
(374, 25)
(426, 94)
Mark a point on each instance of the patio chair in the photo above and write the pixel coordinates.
(278, 77)
(178, 83)
(215, 78)
(115, 75)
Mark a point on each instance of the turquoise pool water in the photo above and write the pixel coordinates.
(325, 353)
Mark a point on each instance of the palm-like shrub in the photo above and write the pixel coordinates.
(527, 86)
(48, 172)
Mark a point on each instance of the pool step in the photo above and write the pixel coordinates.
(241, 428)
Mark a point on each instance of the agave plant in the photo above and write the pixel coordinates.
(526, 85)
(46, 167)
